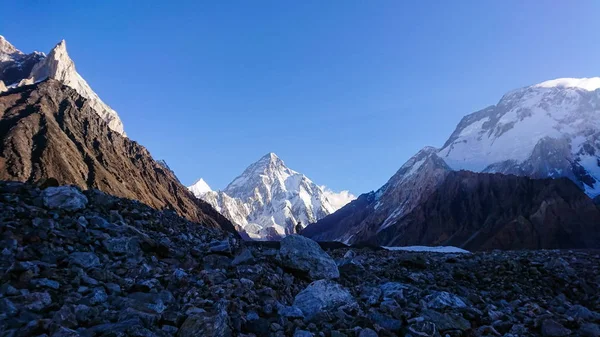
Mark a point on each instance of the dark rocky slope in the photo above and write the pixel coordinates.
(89, 264)
(479, 211)
(47, 130)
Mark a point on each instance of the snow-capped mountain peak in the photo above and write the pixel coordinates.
(200, 187)
(268, 199)
(18, 69)
(7, 48)
(549, 129)
(589, 84)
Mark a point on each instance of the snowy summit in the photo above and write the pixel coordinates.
(589, 84)
(200, 187)
(269, 199)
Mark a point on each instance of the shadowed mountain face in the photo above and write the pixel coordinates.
(477, 211)
(49, 130)
(493, 211)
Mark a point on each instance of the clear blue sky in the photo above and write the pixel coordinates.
(343, 91)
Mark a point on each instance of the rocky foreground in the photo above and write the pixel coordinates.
(89, 264)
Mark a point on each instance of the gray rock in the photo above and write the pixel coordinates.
(84, 259)
(98, 296)
(448, 321)
(589, 330)
(34, 301)
(206, 325)
(245, 257)
(423, 329)
(394, 290)
(385, 321)
(367, 333)
(122, 246)
(551, 328)
(371, 295)
(67, 198)
(65, 317)
(7, 307)
(301, 253)
(45, 283)
(223, 247)
(322, 295)
(64, 332)
(442, 299)
(291, 312)
(581, 312)
(302, 333)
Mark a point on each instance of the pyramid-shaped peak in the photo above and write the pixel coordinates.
(6, 47)
(270, 156)
(269, 159)
(200, 187)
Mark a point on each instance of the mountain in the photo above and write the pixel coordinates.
(200, 187)
(18, 69)
(49, 130)
(549, 130)
(268, 199)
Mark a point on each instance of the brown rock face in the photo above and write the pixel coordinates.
(49, 130)
(479, 211)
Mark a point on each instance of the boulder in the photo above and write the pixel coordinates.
(300, 253)
(442, 299)
(322, 295)
(206, 325)
(84, 259)
(67, 198)
(551, 328)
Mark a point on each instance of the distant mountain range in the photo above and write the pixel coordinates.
(269, 199)
(519, 174)
(548, 130)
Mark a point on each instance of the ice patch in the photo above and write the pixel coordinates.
(437, 249)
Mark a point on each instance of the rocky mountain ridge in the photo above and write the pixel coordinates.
(48, 130)
(19, 69)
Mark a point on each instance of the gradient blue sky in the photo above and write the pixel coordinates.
(343, 91)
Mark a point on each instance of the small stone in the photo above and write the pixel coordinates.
(551, 328)
(34, 301)
(169, 329)
(45, 283)
(589, 330)
(291, 312)
(123, 246)
(442, 299)
(84, 259)
(245, 257)
(98, 296)
(64, 332)
(7, 307)
(581, 312)
(367, 333)
(220, 247)
(206, 325)
(385, 321)
(302, 333)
